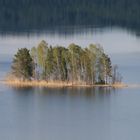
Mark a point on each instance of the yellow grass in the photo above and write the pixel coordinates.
(18, 83)
(119, 85)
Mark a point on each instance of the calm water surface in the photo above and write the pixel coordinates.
(73, 113)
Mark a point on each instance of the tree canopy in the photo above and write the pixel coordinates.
(22, 66)
(74, 64)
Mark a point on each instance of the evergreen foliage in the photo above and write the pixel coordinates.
(22, 66)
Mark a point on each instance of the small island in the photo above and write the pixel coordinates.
(59, 66)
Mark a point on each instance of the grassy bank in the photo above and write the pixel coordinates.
(17, 83)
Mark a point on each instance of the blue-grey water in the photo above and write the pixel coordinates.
(73, 113)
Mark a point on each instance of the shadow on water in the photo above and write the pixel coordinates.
(91, 92)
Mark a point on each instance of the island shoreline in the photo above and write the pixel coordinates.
(58, 84)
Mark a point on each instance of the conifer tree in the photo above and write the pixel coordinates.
(22, 66)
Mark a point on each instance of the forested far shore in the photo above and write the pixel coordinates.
(73, 65)
(41, 14)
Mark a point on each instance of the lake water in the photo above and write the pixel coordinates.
(73, 113)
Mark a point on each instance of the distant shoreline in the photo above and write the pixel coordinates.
(58, 84)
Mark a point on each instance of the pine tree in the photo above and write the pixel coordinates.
(22, 66)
